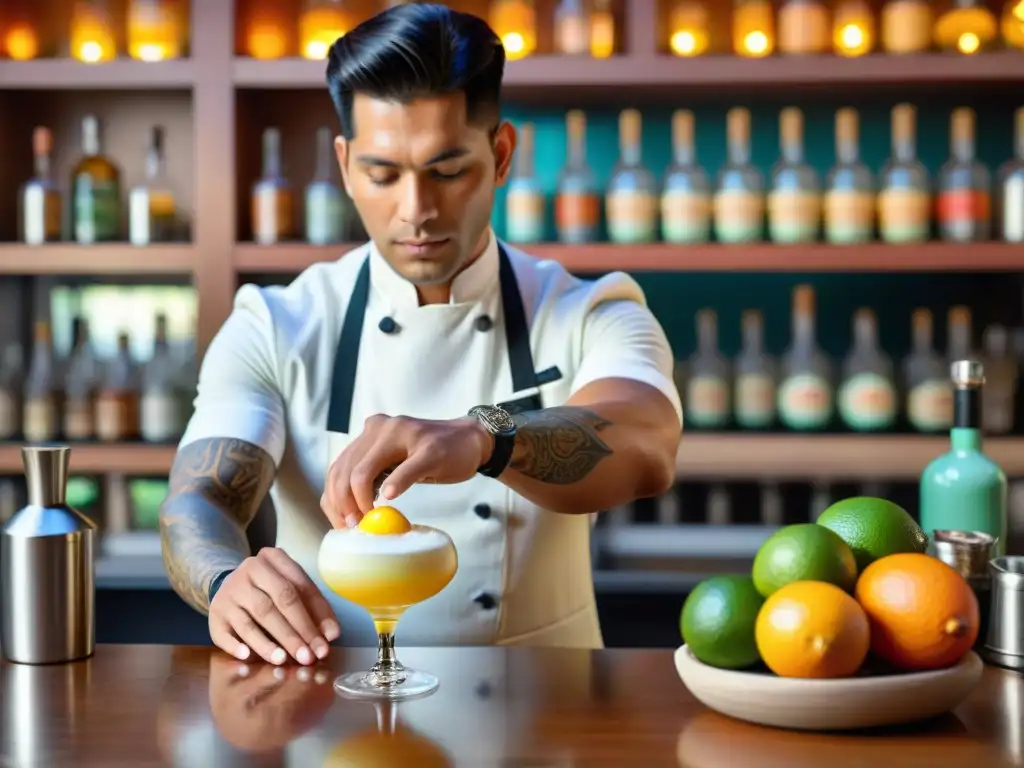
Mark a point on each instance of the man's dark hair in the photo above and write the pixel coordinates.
(415, 50)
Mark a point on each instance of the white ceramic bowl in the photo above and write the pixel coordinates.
(819, 705)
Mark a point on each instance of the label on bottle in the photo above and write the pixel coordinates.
(271, 214)
(930, 406)
(97, 210)
(10, 414)
(804, 28)
(572, 34)
(739, 216)
(793, 216)
(903, 215)
(906, 26)
(805, 402)
(40, 419)
(79, 423)
(578, 216)
(117, 416)
(524, 221)
(867, 401)
(40, 218)
(755, 400)
(324, 214)
(849, 217)
(1013, 207)
(962, 212)
(707, 401)
(632, 216)
(685, 216)
(160, 417)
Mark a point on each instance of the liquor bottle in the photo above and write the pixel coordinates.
(631, 199)
(958, 334)
(794, 203)
(964, 490)
(12, 384)
(805, 399)
(929, 403)
(151, 205)
(96, 190)
(321, 22)
(325, 202)
(867, 396)
(1010, 187)
(739, 193)
(572, 33)
(850, 199)
(602, 29)
(42, 390)
(964, 206)
(804, 27)
(154, 29)
(1000, 381)
(707, 380)
(515, 22)
(578, 200)
(524, 204)
(271, 195)
(906, 26)
(686, 198)
(160, 403)
(39, 220)
(117, 401)
(80, 384)
(904, 199)
(754, 392)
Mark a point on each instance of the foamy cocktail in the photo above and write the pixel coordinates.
(385, 565)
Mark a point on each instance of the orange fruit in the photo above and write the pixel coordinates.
(812, 629)
(923, 614)
(385, 521)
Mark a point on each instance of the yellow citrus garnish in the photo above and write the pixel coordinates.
(385, 521)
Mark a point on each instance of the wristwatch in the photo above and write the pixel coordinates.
(502, 428)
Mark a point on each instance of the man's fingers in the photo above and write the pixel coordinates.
(224, 638)
(288, 601)
(313, 617)
(262, 607)
(371, 466)
(419, 466)
(249, 632)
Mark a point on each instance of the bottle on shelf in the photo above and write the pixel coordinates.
(1010, 186)
(41, 214)
(804, 27)
(12, 385)
(853, 28)
(719, 505)
(152, 209)
(958, 334)
(321, 22)
(160, 418)
(967, 27)
(739, 194)
(524, 204)
(117, 401)
(91, 34)
(1011, 24)
(904, 199)
(794, 202)
(578, 200)
(1000, 381)
(964, 490)
(753, 28)
(42, 390)
(686, 198)
(326, 208)
(867, 396)
(707, 378)
(515, 22)
(271, 195)
(849, 205)
(906, 26)
(929, 403)
(80, 382)
(688, 28)
(754, 391)
(964, 205)
(805, 400)
(631, 198)
(154, 29)
(572, 29)
(602, 29)
(96, 190)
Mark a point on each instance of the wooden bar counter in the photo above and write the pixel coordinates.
(150, 705)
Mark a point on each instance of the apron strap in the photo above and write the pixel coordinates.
(517, 331)
(346, 359)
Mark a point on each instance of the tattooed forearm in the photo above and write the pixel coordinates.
(216, 487)
(559, 445)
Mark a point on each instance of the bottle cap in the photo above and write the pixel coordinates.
(967, 373)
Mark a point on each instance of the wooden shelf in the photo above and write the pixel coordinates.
(712, 257)
(102, 259)
(92, 458)
(826, 457)
(69, 74)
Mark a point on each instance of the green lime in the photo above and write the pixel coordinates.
(873, 528)
(718, 621)
(805, 552)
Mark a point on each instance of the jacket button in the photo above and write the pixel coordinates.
(486, 601)
(388, 325)
(484, 323)
(483, 511)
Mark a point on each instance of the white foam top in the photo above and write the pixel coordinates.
(355, 541)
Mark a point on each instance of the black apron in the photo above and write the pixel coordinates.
(517, 337)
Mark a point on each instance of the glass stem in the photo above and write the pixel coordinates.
(388, 671)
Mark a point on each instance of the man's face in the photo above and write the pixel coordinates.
(423, 181)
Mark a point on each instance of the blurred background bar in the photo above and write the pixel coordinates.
(823, 202)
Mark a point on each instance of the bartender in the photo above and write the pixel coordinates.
(504, 400)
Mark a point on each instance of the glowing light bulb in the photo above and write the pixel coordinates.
(968, 42)
(1018, 10)
(90, 52)
(852, 36)
(514, 43)
(756, 42)
(683, 43)
(21, 42)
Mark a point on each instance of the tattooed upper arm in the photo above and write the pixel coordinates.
(559, 445)
(216, 486)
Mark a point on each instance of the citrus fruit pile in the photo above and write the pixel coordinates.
(823, 598)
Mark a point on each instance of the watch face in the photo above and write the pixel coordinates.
(494, 418)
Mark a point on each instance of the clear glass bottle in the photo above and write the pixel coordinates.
(686, 197)
(707, 378)
(867, 396)
(1010, 186)
(964, 205)
(958, 335)
(926, 379)
(325, 201)
(755, 371)
(160, 418)
(117, 401)
(997, 406)
(272, 215)
(631, 200)
(805, 400)
(12, 385)
(96, 190)
(794, 203)
(804, 27)
(152, 209)
(602, 29)
(572, 28)
(850, 200)
(80, 382)
(904, 199)
(42, 390)
(906, 26)
(739, 194)
(524, 204)
(41, 209)
(578, 200)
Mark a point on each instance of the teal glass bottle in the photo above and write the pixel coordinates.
(964, 490)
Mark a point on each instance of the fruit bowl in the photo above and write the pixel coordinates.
(865, 701)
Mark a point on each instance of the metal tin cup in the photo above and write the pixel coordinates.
(969, 553)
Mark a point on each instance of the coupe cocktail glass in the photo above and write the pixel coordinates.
(386, 565)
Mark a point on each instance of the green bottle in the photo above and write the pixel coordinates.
(964, 490)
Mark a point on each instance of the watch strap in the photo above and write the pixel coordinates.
(503, 431)
(218, 580)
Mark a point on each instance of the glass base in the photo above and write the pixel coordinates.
(409, 684)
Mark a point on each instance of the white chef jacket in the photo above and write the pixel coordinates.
(524, 573)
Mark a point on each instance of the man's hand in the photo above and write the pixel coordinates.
(270, 607)
(412, 450)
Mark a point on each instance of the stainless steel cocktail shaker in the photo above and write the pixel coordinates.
(47, 576)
